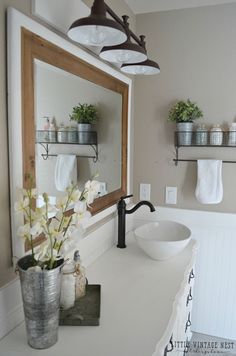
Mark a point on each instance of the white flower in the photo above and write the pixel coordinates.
(22, 204)
(92, 185)
(36, 229)
(24, 231)
(34, 193)
(61, 230)
(42, 251)
(91, 190)
(75, 196)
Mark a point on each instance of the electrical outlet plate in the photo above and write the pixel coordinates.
(171, 195)
(145, 191)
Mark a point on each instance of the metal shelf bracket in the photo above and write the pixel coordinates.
(46, 155)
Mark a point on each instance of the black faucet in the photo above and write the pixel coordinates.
(122, 211)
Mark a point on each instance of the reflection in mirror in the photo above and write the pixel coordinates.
(56, 92)
(111, 133)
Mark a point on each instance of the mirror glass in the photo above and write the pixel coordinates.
(56, 92)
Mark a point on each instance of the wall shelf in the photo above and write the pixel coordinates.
(227, 142)
(83, 138)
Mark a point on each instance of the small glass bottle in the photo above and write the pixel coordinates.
(67, 299)
(216, 135)
(44, 135)
(80, 278)
(52, 131)
(201, 135)
(47, 123)
(232, 134)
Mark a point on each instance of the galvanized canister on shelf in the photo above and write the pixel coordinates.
(232, 135)
(72, 134)
(85, 134)
(185, 133)
(41, 300)
(201, 135)
(216, 135)
(62, 135)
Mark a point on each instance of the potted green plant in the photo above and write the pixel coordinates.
(40, 271)
(85, 115)
(184, 113)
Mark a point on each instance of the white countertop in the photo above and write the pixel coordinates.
(138, 297)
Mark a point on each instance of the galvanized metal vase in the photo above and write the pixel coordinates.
(41, 300)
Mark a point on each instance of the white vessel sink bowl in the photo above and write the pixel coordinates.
(162, 240)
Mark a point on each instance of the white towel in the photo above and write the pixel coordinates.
(209, 188)
(65, 171)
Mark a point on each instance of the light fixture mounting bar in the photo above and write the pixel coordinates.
(120, 21)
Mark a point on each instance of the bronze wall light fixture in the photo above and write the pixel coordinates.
(119, 44)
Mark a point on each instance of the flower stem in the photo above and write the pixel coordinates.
(51, 261)
(30, 219)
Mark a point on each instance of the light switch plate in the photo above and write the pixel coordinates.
(171, 195)
(145, 191)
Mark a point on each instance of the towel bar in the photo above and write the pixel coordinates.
(195, 160)
(45, 156)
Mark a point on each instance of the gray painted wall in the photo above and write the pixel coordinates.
(196, 50)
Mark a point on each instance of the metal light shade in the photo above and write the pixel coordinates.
(147, 67)
(97, 29)
(127, 52)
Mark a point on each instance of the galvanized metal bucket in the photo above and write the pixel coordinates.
(185, 133)
(41, 300)
(85, 134)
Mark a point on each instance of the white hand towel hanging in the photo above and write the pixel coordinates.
(209, 188)
(65, 171)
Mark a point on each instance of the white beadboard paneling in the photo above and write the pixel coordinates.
(214, 311)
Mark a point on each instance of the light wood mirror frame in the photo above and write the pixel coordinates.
(36, 47)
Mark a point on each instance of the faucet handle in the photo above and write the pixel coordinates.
(126, 196)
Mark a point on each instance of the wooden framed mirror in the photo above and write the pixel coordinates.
(32, 46)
